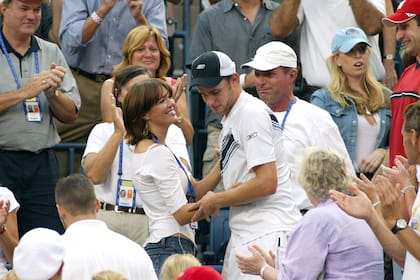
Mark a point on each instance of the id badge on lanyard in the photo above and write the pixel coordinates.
(32, 109)
(126, 192)
(32, 106)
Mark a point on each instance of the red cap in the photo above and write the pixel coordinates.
(406, 10)
(200, 272)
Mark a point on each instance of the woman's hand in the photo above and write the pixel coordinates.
(390, 198)
(370, 163)
(366, 186)
(178, 89)
(117, 118)
(4, 211)
(398, 173)
(184, 122)
(253, 264)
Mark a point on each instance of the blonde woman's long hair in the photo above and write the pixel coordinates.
(340, 90)
(134, 40)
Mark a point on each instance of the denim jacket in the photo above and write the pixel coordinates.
(346, 120)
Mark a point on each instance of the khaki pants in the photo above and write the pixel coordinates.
(133, 226)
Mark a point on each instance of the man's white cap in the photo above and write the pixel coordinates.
(273, 55)
(39, 254)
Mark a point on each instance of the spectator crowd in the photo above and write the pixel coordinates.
(312, 139)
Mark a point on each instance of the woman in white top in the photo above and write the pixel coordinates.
(161, 180)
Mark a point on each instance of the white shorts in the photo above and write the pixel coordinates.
(269, 241)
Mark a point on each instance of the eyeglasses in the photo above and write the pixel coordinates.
(359, 48)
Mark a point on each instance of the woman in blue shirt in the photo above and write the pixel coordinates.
(357, 102)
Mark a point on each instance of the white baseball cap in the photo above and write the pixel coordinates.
(272, 55)
(39, 254)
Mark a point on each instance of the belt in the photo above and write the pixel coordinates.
(118, 209)
(100, 78)
(26, 152)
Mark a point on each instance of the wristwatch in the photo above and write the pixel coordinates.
(389, 57)
(400, 224)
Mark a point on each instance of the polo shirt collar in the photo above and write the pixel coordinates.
(34, 46)
(229, 4)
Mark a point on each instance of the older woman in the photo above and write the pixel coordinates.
(356, 101)
(144, 46)
(327, 241)
(160, 178)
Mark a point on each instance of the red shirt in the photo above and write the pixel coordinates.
(406, 91)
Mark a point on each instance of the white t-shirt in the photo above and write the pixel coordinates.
(91, 248)
(251, 136)
(412, 265)
(320, 21)
(308, 125)
(367, 137)
(99, 136)
(6, 194)
(161, 185)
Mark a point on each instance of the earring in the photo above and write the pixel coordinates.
(339, 65)
(146, 130)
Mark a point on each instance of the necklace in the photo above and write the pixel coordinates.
(367, 112)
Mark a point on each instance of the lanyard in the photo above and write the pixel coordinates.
(120, 160)
(12, 67)
(190, 191)
(287, 112)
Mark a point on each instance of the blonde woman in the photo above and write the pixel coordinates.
(176, 264)
(358, 103)
(145, 47)
(108, 275)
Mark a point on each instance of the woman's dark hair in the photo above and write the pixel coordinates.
(140, 99)
(125, 75)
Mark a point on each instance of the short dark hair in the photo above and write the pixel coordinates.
(76, 194)
(125, 75)
(417, 17)
(412, 117)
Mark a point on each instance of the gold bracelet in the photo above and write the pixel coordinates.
(179, 119)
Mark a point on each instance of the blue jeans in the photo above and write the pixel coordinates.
(166, 247)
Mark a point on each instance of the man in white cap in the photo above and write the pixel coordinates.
(252, 163)
(407, 90)
(303, 124)
(39, 255)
